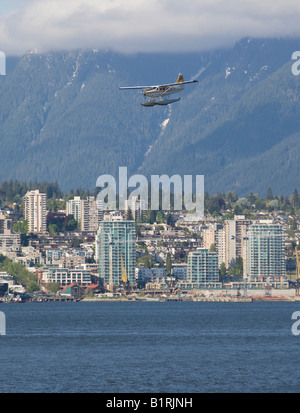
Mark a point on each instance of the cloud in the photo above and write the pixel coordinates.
(144, 25)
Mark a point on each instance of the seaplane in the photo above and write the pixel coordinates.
(159, 94)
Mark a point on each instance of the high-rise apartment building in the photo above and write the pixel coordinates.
(35, 211)
(73, 207)
(91, 214)
(215, 235)
(86, 211)
(235, 238)
(116, 248)
(265, 250)
(229, 239)
(202, 267)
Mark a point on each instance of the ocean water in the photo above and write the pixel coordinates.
(181, 347)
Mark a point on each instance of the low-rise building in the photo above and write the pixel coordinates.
(147, 274)
(65, 276)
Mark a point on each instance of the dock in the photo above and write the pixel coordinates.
(55, 299)
(229, 299)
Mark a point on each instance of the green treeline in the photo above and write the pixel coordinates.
(251, 203)
(20, 273)
(12, 192)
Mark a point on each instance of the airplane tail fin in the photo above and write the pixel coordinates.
(180, 78)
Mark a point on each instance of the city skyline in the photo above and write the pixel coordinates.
(226, 241)
(153, 282)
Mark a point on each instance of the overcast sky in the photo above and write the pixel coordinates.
(141, 25)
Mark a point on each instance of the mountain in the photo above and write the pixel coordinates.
(64, 119)
(240, 127)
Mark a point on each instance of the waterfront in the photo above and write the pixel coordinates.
(181, 347)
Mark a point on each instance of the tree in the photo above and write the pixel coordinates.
(238, 210)
(169, 219)
(215, 204)
(270, 195)
(251, 198)
(260, 204)
(236, 267)
(152, 217)
(160, 217)
(239, 265)
(231, 196)
(169, 264)
(295, 199)
(20, 274)
(53, 287)
(24, 238)
(53, 229)
(71, 225)
(32, 287)
(222, 270)
(129, 215)
(21, 226)
(274, 205)
(138, 230)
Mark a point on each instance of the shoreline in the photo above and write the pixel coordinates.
(169, 298)
(195, 299)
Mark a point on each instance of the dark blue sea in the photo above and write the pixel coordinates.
(181, 347)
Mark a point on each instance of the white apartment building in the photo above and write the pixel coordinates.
(35, 211)
(229, 238)
(146, 274)
(65, 276)
(91, 214)
(73, 207)
(88, 212)
(215, 235)
(265, 251)
(235, 238)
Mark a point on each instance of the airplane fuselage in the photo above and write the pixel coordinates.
(161, 91)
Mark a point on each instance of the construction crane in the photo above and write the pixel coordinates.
(124, 277)
(111, 283)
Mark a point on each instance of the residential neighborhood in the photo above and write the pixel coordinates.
(78, 250)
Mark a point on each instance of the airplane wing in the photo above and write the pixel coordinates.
(179, 83)
(156, 86)
(138, 87)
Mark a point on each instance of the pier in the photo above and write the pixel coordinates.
(229, 299)
(54, 299)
